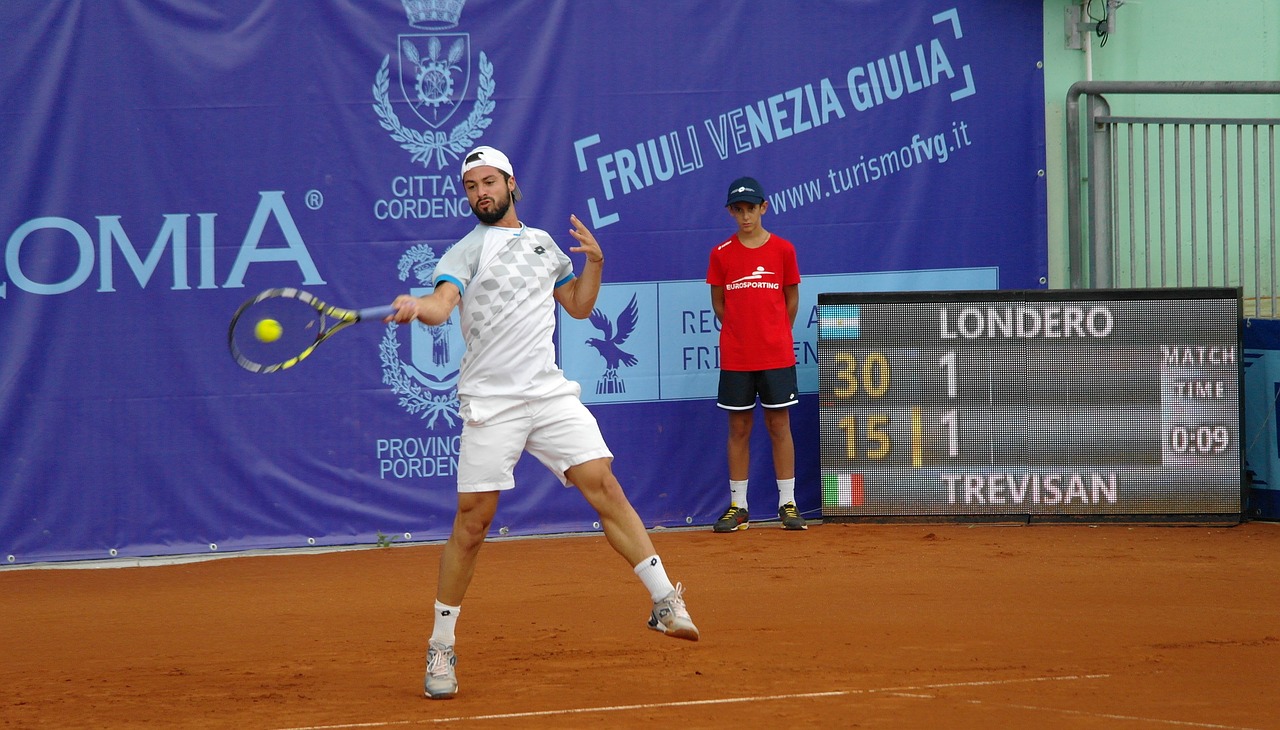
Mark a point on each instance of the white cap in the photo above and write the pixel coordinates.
(485, 155)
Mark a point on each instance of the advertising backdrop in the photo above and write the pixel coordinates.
(164, 161)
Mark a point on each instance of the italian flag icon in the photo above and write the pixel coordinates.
(842, 490)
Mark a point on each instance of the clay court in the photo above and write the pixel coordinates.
(846, 625)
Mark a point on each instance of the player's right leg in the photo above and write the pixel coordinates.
(737, 517)
(458, 559)
(737, 396)
(486, 460)
(457, 566)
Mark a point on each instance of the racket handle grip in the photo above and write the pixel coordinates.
(378, 313)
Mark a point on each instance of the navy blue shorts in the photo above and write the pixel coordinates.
(776, 388)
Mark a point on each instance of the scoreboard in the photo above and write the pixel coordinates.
(1031, 405)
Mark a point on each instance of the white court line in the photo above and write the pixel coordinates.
(725, 701)
(1109, 716)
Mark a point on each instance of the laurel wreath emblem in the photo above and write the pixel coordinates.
(434, 406)
(425, 146)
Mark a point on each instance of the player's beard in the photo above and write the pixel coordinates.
(499, 211)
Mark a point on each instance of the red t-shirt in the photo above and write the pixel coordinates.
(755, 333)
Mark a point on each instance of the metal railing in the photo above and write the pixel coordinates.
(1173, 201)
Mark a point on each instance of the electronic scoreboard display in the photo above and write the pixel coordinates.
(1031, 405)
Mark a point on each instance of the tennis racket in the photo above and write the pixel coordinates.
(279, 328)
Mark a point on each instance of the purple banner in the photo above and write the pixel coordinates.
(165, 161)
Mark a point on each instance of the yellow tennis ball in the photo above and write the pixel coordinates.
(267, 330)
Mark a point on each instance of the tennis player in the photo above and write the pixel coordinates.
(505, 277)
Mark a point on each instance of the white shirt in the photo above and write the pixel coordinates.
(507, 277)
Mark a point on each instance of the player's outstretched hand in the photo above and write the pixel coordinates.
(587, 243)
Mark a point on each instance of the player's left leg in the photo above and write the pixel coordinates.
(777, 395)
(625, 531)
(623, 527)
(567, 440)
(778, 422)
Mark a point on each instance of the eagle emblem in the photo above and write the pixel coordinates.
(608, 346)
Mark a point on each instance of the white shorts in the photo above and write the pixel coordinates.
(557, 430)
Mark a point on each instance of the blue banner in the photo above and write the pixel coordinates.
(165, 161)
(1261, 410)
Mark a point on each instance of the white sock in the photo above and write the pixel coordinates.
(446, 621)
(786, 491)
(654, 577)
(738, 493)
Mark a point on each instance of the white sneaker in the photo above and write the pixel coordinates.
(442, 681)
(672, 618)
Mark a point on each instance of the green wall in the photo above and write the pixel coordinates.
(1155, 40)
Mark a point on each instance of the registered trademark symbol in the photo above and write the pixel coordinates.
(314, 199)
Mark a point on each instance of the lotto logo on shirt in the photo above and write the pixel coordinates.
(754, 280)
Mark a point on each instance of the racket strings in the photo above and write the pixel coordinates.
(278, 328)
(301, 328)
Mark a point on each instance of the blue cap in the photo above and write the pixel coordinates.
(745, 189)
